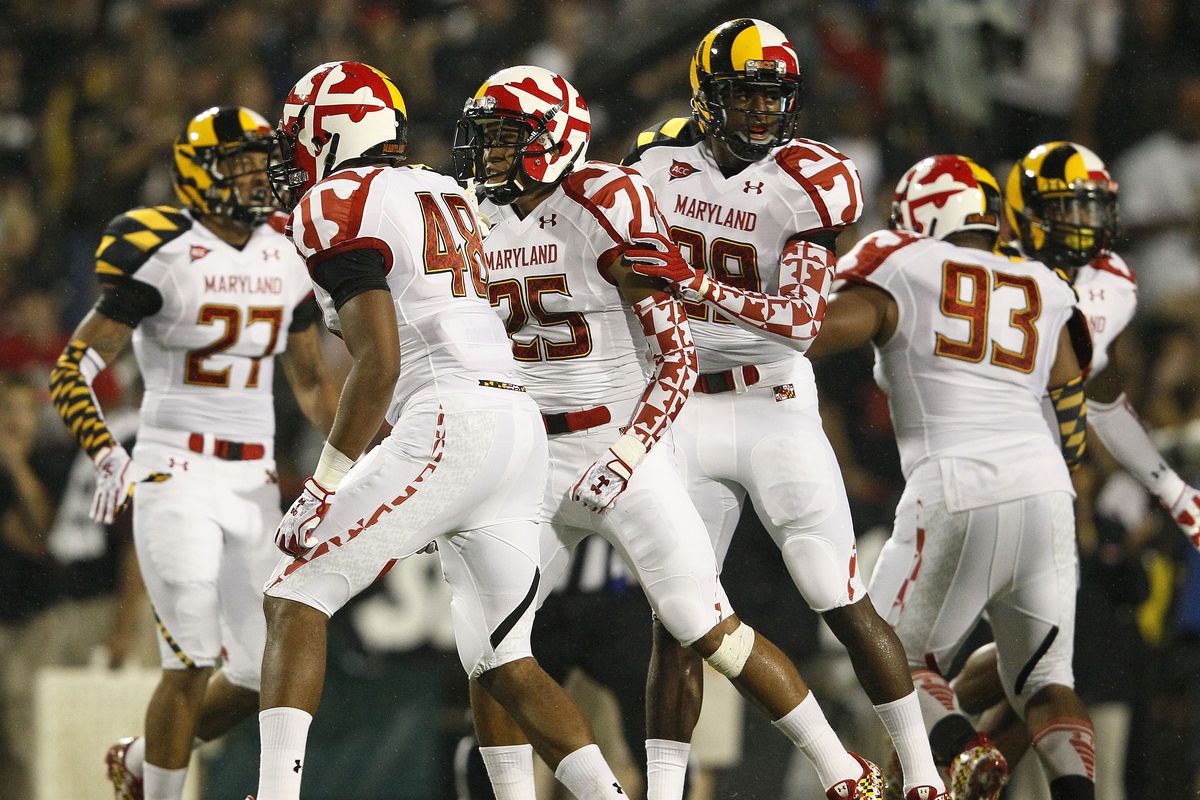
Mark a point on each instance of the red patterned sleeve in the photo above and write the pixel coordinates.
(792, 317)
(664, 322)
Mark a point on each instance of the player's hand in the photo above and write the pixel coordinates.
(294, 535)
(116, 475)
(602, 482)
(1186, 513)
(669, 265)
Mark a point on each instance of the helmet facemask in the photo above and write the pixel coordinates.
(491, 148)
(751, 111)
(1069, 228)
(230, 168)
(283, 174)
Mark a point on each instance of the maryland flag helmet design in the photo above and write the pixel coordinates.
(945, 194)
(1062, 203)
(737, 62)
(205, 164)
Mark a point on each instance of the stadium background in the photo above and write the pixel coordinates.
(92, 92)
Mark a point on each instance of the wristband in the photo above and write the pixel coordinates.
(332, 467)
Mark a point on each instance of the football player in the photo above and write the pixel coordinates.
(1062, 205)
(582, 325)
(396, 256)
(986, 521)
(757, 213)
(209, 293)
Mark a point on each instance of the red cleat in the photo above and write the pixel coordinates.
(126, 785)
(869, 786)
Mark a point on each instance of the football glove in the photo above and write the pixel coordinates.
(602, 482)
(294, 536)
(1186, 513)
(670, 266)
(116, 474)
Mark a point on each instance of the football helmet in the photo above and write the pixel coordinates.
(946, 194)
(531, 111)
(735, 62)
(339, 111)
(1062, 203)
(205, 169)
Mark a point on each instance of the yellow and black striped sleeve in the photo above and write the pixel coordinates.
(71, 393)
(677, 131)
(1070, 407)
(126, 245)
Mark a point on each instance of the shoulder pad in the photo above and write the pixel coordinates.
(131, 238)
(677, 131)
(866, 256)
(827, 176)
(278, 222)
(620, 200)
(1114, 265)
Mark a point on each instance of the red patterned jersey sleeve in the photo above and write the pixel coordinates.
(664, 322)
(830, 191)
(860, 264)
(793, 317)
(329, 219)
(623, 205)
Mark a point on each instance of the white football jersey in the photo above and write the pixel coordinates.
(207, 354)
(576, 342)
(1108, 299)
(967, 367)
(429, 236)
(736, 228)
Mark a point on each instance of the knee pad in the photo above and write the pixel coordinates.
(826, 581)
(731, 656)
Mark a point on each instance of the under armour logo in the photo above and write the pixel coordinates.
(551, 220)
(177, 463)
(599, 485)
(270, 255)
(1095, 294)
(617, 786)
(753, 186)
(296, 769)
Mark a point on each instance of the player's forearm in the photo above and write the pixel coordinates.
(71, 392)
(664, 323)
(364, 401)
(1121, 431)
(794, 316)
(1070, 408)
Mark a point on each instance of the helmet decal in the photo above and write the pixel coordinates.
(946, 194)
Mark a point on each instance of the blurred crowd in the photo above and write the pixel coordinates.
(92, 93)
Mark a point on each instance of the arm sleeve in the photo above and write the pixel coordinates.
(1070, 407)
(664, 323)
(71, 392)
(793, 317)
(349, 273)
(1119, 427)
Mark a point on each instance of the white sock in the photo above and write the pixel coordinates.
(587, 775)
(904, 724)
(162, 784)
(135, 754)
(510, 769)
(808, 729)
(1066, 747)
(666, 768)
(283, 732)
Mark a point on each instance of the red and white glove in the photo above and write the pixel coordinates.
(294, 535)
(116, 473)
(1186, 513)
(670, 266)
(602, 482)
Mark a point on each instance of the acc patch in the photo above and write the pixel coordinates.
(681, 169)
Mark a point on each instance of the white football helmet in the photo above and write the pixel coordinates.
(944, 194)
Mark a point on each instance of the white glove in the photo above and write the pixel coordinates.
(602, 482)
(116, 473)
(1186, 513)
(294, 536)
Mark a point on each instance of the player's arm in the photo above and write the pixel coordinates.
(1070, 406)
(857, 315)
(664, 324)
(304, 368)
(793, 317)
(356, 282)
(1119, 428)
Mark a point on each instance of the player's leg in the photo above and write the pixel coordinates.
(659, 533)
(804, 508)
(981, 693)
(494, 579)
(179, 549)
(1034, 626)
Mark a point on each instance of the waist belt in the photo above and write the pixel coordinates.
(226, 450)
(718, 382)
(512, 387)
(570, 421)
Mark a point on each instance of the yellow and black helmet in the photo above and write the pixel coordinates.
(746, 56)
(204, 173)
(1062, 203)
